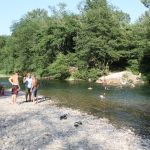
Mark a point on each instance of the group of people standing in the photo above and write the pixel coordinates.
(31, 87)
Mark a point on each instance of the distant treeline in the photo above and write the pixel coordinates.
(98, 39)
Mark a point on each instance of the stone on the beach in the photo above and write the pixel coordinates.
(63, 117)
(76, 124)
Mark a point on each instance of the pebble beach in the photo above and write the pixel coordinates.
(28, 126)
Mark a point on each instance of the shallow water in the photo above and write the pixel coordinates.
(124, 107)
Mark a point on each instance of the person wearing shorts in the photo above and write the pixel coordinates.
(15, 89)
(15, 86)
(28, 86)
(35, 86)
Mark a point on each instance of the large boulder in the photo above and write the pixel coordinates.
(73, 70)
(120, 78)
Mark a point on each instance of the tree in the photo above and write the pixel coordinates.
(3, 41)
(97, 40)
(145, 44)
(146, 3)
(23, 35)
(100, 37)
(59, 69)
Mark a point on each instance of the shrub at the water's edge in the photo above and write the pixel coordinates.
(85, 74)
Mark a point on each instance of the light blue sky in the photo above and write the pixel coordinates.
(12, 10)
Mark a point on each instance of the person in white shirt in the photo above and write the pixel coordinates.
(28, 86)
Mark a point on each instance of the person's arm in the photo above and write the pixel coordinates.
(24, 80)
(10, 80)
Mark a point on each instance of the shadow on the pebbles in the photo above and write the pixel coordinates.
(42, 99)
(39, 100)
(24, 102)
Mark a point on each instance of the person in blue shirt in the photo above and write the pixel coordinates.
(28, 86)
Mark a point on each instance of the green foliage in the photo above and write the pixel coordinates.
(94, 74)
(2, 41)
(101, 38)
(85, 74)
(59, 69)
(81, 74)
(146, 3)
(98, 40)
(133, 66)
(144, 31)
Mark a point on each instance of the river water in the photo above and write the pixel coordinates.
(123, 107)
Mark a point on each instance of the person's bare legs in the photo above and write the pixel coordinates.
(13, 99)
(36, 100)
(26, 96)
(29, 96)
(33, 98)
(14, 96)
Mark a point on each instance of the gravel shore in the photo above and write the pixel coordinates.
(38, 127)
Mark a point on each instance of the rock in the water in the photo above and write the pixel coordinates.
(102, 96)
(90, 88)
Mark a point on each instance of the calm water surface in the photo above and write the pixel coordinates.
(124, 107)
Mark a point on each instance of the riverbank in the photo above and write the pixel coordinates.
(32, 127)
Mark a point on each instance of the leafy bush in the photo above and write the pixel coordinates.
(133, 66)
(86, 74)
(41, 72)
(59, 69)
(81, 74)
(94, 74)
